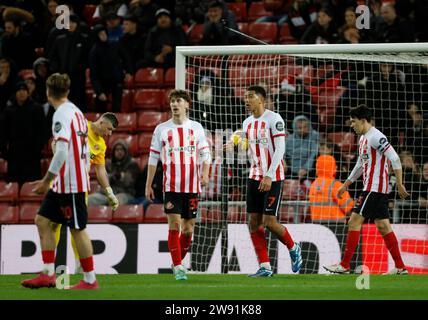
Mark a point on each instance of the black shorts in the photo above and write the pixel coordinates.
(372, 205)
(65, 208)
(264, 202)
(185, 204)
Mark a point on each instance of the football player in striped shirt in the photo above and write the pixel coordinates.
(102, 127)
(181, 145)
(265, 139)
(65, 202)
(373, 156)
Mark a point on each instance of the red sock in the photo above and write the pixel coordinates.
(287, 240)
(259, 242)
(185, 241)
(392, 245)
(87, 264)
(48, 256)
(174, 246)
(351, 245)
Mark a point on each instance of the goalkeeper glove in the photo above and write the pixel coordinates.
(112, 198)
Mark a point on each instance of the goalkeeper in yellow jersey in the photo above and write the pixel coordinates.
(97, 130)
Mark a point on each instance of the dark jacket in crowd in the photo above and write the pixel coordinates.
(20, 49)
(315, 34)
(400, 31)
(22, 139)
(157, 38)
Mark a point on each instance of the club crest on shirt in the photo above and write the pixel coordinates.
(57, 127)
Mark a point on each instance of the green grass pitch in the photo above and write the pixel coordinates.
(225, 287)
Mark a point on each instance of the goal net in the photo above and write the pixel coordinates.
(317, 85)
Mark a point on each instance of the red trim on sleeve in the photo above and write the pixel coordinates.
(279, 135)
(152, 150)
(62, 139)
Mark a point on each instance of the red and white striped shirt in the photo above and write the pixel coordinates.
(262, 134)
(373, 155)
(70, 125)
(179, 148)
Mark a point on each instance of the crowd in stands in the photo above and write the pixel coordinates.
(120, 56)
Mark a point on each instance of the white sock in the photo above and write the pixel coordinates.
(77, 263)
(89, 277)
(266, 265)
(49, 269)
(179, 267)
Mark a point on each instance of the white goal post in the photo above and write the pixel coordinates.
(333, 77)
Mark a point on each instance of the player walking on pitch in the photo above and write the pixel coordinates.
(102, 127)
(65, 202)
(265, 138)
(180, 144)
(373, 155)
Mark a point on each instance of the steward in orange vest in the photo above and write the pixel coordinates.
(324, 203)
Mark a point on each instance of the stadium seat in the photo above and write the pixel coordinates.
(88, 13)
(90, 99)
(149, 78)
(344, 140)
(131, 140)
(169, 78)
(266, 31)
(155, 214)
(291, 189)
(127, 122)
(127, 213)
(92, 116)
(47, 149)
(243, 27)
(9, 192)
(8, 214)
(196, 33)
(239, 9)
(99, 214)
(149, 99)
(257, 10)
(88, 83)
(25, 73)
(26, 194)
(3, 168)
(44, 165)
(144, 142)
(27, 212)
(147, 121)
(40, 52)
(142, 161)
(285, 36)
(211, 214)
(286, 214)
(129, 84)
(127, 101)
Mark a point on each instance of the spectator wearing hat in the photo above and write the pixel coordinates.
(69, 54)
(215, 31)
(22, 136)
(109, 65)
(321, 31)
(161, 42)
(114, 27)
(107, 6)
(144, 11)
(133, 40)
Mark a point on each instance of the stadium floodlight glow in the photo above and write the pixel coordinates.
(320, 82)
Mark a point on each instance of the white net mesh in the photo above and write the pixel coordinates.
(322, 88)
